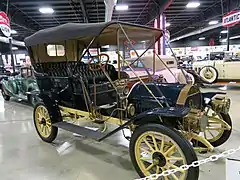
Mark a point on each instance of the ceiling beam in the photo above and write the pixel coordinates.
(84, 11)
(199, 31)
(109, 6)
(156, 9)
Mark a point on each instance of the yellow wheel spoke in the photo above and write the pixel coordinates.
(172, 148)
(146, 151)
(155, 143)
(146, 158)
(42, 127)
(215, 128)
(41, 111)
(174, 167)
(211, 133)
(48, 124)
(39, 115)
(150, 167)
(213, 122)
(175, 158)
(174, 176)
(162, 144)
(45, 130)
(157, 170)
(205, 135)
(147, 143)
(166, 178)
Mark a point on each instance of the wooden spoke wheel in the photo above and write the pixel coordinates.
(155, 148)
(43, 123)
(219, 128)
(209, 74)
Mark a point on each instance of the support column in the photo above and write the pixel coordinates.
(160, 23)
(11, 53)
(109, 7)
(228, 28)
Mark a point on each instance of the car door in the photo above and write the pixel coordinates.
(24, 79)
(220, 67)
(231, 68)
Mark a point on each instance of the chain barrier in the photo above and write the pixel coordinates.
(193, 164)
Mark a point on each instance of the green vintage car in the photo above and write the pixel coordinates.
(21, 85)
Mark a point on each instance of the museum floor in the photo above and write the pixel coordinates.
(24, 156)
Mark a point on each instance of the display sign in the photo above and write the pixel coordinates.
(231, 19)
(232, 169)
(211, 42)
(127, 43)
(5, 24)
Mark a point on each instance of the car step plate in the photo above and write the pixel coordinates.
(87, 132)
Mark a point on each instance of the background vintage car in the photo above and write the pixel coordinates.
(220, 66)
(20, 85)
(4, 73)
(157, 68)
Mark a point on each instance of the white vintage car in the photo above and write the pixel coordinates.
(220, 66)
(156, 68)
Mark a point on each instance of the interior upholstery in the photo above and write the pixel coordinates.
(65, 69)
(59, 75)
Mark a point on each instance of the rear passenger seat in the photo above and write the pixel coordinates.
(65, 69)
(54, 80)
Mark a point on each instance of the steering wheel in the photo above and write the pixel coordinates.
(96, 62)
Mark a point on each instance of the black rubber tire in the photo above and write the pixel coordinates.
(54, 130)
(226, 134)
(5, 96)
(187, 149)
(214, 70)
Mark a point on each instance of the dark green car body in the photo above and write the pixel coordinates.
(21, 85)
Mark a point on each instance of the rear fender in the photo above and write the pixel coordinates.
(167, 116)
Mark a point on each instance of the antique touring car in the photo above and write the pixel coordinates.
(162, 117)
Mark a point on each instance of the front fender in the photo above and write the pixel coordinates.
(4, 87)
(172, 113)
(33, 89)
(51, 106)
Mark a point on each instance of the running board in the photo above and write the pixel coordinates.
(96, 135)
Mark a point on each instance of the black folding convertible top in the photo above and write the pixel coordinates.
(74, 30)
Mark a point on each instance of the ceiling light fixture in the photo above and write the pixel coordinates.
(193, 4)
(223, 40)
(235, 37)
(167, 24)
(46, 10)
(13, 31)
(213, 22)
(202, 38)
(121, 7)
(14, 48)
(224, 32)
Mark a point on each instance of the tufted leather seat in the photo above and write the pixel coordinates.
(65, 69)
(56, 79)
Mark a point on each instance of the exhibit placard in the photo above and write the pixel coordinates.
(232, 169)
(231, 19)
(5, 24)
